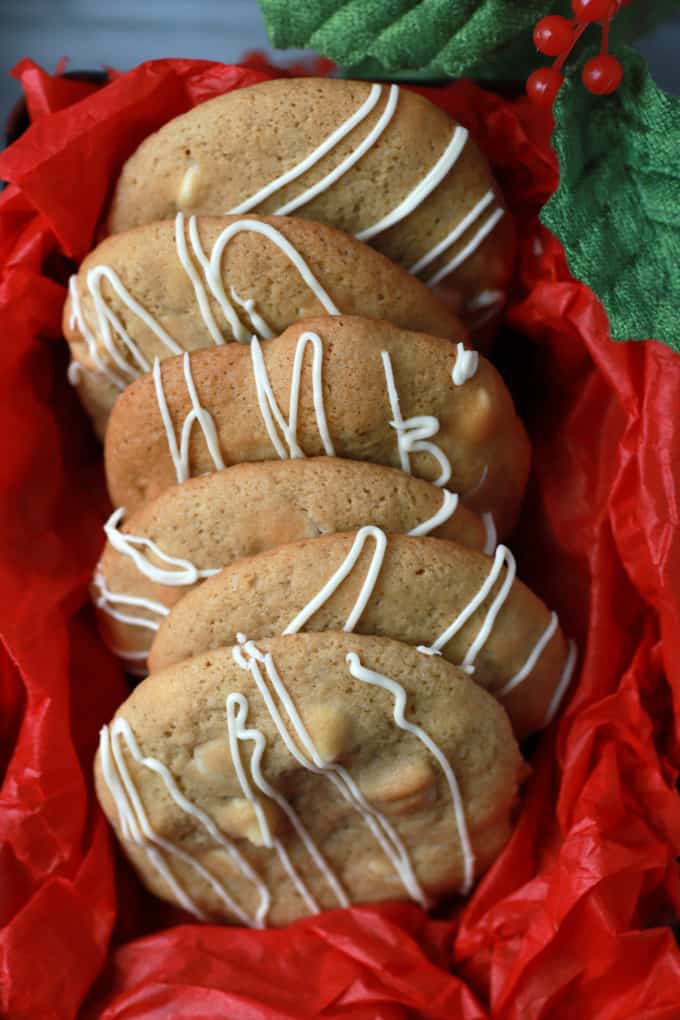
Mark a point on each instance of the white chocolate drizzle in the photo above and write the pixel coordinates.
(502, 556)
(136, 827)
(249, 657)
(469, 249)
(349, 161)
(487, 302)
(212, 272)
(281, 242)
(78, 317)
(237, 715)
(180, 453)
(109, 324)
(107, 601)
(491, 533)
(445, 512)
(271, 413)
(260, 326)
(413, 433)
(197, 283)
(182, 572)
(343, 571)
(532, 658)
(311, 160)
(423, 189)
(563, 684)
(441, 246)
(465, 366)
(111, 328)
(485, 299)
(369, 676)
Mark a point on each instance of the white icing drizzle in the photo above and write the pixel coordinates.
(310, 759)
(468, 249)
(441, 246)
(110, 326)
(412, 433)
(485, 299)
(491, 533)
(134, 662)
(129, 545)
(270, 409)
(212, 272)
(78, 318)
(349, 161)
(237, 715)
(423, 189)
(369, 676)
(477, 486)
(107, 600)
(260, 326)
(465, 366)
(532, 658)
(136, 827)
(563, 684)
(343, 571)
(502, 556)
(444, 513)
(309, 161)
(277, 238)
(180, 454)
(107, 320)
(197, 283)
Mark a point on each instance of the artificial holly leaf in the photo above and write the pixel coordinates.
(490, 40)
(617, 208)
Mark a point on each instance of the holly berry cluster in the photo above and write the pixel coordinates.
(556, 36)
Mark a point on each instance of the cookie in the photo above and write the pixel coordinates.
(263, 783)
(191, 531)
(174, 286)
(349, 387)
(433, 594)
(377, 161)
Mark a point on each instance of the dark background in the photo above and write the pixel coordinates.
(122, 33)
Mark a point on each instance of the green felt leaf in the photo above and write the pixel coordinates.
(490, 40)
(617, 208)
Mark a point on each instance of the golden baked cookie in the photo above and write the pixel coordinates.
(163, 550)
(350, 387)
(174, 286)
(266, 782)
(437, 595)
(377, 161)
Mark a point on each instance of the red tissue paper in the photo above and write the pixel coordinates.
(574, 919)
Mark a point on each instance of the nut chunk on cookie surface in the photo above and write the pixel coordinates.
(261, 783)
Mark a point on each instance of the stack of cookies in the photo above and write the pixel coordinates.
(311, 468)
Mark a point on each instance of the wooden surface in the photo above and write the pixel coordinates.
(122, 33)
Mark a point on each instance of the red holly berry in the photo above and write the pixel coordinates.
(602, 75)
(543, 85)
(591, 10)
(553, 35)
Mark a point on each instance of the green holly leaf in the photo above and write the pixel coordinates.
(490, 40)
(617, 208)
